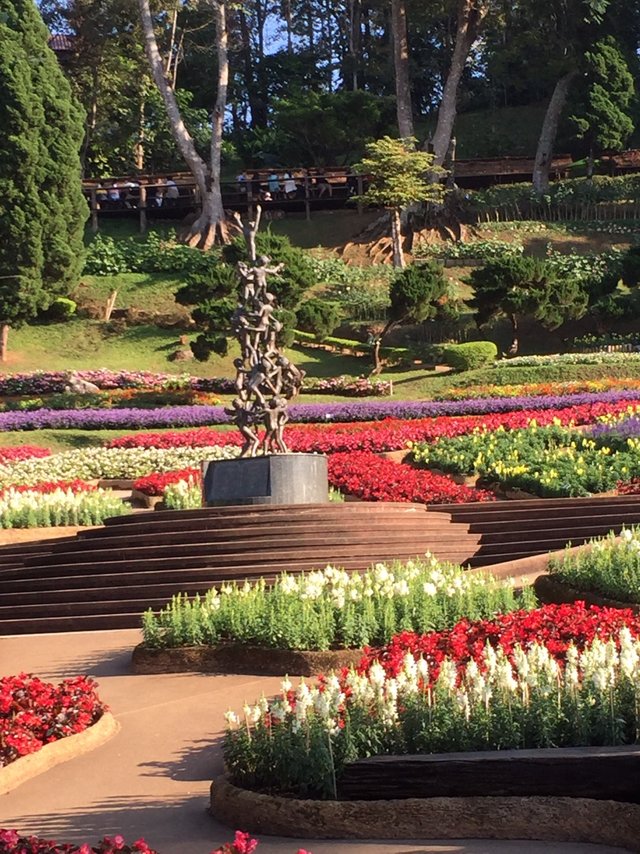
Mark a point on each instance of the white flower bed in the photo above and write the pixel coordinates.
(101, 463)
(61, 507)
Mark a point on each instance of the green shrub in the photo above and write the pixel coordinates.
(319, 317)
(469, 357)
(60, 310)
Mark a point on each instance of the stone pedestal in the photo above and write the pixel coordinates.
(276, 479)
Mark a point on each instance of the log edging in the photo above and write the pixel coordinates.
(549, 819)
(241, 659)
(56, 752)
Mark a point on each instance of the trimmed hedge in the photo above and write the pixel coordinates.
(500, 375)
(470, 356)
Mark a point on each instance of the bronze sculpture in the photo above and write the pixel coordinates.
(265, 379)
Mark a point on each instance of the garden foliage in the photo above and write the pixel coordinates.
(331, 608)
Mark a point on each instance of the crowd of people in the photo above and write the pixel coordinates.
(248, 187)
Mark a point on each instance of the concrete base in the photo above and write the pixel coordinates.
(275, 479)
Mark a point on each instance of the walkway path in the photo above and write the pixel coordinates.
(152, 779)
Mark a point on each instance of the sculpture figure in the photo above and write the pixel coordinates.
(265, 379)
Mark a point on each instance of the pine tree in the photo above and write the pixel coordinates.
(42, 209)
(606, 93)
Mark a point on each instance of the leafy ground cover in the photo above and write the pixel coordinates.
(547, 461)
(34, 713)
(611, 567)
(331, 608)
(554, 676)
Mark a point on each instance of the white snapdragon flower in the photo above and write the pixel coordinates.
(231, 718)
(377, 675)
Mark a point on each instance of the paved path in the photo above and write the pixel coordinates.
(152, 779)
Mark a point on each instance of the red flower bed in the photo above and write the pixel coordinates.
(22, 452)
(51, 486)
(154, 484)
(34, 713)
(631, 487)
(11, 842)
(555, 626)
(363, 474)
(388, 435)
(368, 476)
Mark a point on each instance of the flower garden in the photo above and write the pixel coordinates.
(451, 660)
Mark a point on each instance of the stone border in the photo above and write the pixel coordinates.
(550, 589)
(241, 659)
(549, 819)
(26, 767)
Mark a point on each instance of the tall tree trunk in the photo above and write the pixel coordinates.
(401, 67)
(138, 150)
(549, 131)
(353, 44)
(211, 221)
(288, 17)
(4, 340)
(377, 344)
(257, 104)
(396, 238)
(92, 116)
(471, 14)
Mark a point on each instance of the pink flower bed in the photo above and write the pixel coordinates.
(11, 842)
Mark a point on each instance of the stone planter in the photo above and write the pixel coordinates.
(550, 589)
(242, 659)
(141, 499)
(23, 769)
(552, 819)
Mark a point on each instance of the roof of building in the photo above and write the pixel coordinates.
(62, 43)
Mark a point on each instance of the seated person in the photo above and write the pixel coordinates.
(290, 186)
(274, 185)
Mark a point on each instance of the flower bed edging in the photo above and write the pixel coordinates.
(549, 819)
(33, 764)
(242, 659)
(551, 590)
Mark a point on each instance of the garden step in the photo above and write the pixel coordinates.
(311, 558)
(555, 521)
(94, 622)
(551, 530)
(528, 503)
(482, 516)
(258, 533)
(204, 576)
(524, 543)
(241, 546)
(165, 520)
(489, 560)
(246, 511)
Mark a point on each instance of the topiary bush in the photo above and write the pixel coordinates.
(319, 317)
(471, 356)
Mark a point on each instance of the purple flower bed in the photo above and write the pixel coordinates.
(197, 416)
(629, 428)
